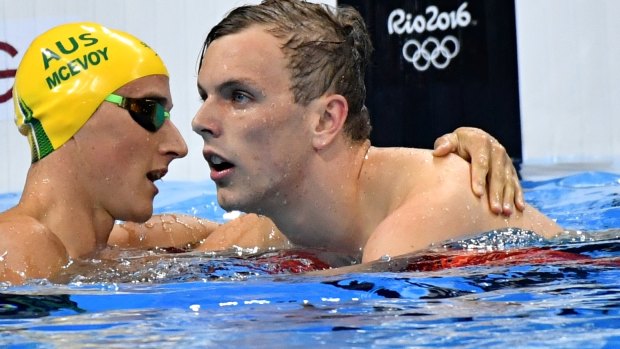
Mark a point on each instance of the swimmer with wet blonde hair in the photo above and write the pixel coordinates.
(94, 103)
(286, 135)
(300, 154)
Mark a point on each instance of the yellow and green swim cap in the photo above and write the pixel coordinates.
(65, 75)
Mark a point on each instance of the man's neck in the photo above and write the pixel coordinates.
(63, 207)
(326, 213)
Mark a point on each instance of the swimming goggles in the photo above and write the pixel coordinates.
(148, 113)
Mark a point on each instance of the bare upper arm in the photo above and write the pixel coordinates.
(415, 191)
(416, 225)
(165, 230)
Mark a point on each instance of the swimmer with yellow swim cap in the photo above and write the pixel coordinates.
(94, 104)
(65, 75)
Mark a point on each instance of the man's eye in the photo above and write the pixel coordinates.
(240, 97)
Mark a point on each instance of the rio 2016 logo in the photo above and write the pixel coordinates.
(431, 51)
(7, 73)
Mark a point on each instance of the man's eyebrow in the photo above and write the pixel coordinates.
(230, 84)
(236, 83)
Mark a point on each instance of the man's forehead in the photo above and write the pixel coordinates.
(250, 55)
(252, 41)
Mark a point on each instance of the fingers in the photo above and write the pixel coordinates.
(492, 170)
(479, 172)
(519, 200)
(451, 143)
(508, 200)
(445, 144)
(499, 185)
(470, 143)
(504, 187)
(514, 194)
(491, 167)
(475, 145)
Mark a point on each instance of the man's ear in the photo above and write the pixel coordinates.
(334, 111)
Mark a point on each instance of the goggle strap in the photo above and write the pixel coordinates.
(116, 99)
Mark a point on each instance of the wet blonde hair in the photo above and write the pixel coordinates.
(328, 50)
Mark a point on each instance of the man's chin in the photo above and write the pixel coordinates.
(138, 217)
(227, 206)
(230, 205)
(239, 200)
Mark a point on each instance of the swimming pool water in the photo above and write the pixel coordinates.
(564, 294)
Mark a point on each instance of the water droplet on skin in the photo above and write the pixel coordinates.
(271, 235)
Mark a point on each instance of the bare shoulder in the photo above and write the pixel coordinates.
(412, 164)
(406, 174)
(420, 196)
(440, 205)
(28, 249)
(397, 156)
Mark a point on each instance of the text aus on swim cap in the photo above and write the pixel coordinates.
(75, 66)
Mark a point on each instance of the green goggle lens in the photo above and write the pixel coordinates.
(148, 113)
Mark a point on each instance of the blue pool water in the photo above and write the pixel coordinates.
(154, 300)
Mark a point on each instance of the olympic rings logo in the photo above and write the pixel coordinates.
(431, 52)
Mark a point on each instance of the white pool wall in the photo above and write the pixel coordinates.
(569, 78)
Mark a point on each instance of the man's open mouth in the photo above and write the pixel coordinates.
(218, 164)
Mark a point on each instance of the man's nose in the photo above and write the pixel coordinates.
(204, 123)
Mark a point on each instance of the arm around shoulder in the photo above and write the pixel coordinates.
(165, 230)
